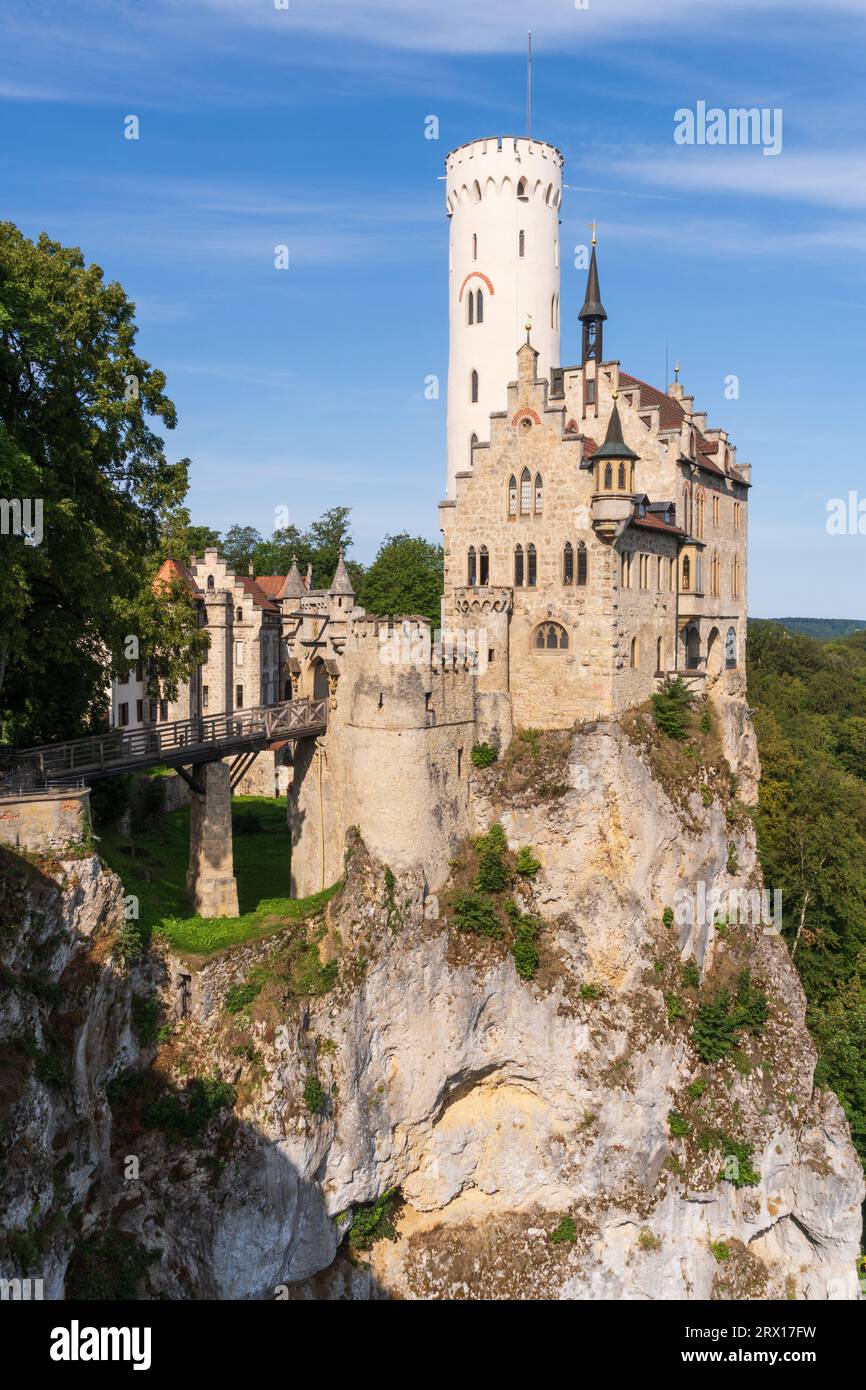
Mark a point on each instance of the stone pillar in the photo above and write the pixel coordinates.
(210, 879)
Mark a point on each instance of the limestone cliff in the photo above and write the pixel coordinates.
(384, 1046)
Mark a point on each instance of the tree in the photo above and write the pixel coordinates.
(328, 538)
(239, 546)
(76, 440)
(180, 540)
(405, 578)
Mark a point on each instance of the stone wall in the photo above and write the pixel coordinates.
(47, 823)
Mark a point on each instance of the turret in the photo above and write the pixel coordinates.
(613, 468)
(592, 315)
(502, 196)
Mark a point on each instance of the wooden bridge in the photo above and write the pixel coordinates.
(183, 743)
(198, 749)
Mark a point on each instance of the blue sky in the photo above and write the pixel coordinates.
(305, 126)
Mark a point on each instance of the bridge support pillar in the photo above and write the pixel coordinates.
(210, 879)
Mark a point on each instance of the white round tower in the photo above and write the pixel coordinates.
(502, 197)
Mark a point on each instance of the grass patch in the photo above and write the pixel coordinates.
(153, 868)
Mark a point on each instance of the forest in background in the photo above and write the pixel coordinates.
(809, 703)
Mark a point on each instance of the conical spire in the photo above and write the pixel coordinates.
(294, 585)
(341, 583)
(614, 446)
(592, 305)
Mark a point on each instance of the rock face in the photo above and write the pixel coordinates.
(378, 1047)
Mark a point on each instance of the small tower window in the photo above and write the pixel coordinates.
(521, 188)
(634, 657)
(660, 655)
(512, 496)
(608, 477)
(473, 388)
(687, 573)
(472, 442)
(589, 391)
(475, 246)
(539, 493)
(518, 567)
(239, 697)
(240, 615)
(531, 567)
(568, 563)
(470, 307)
(521, 243)
(479, 307)
(471, 573)
(525, 492)
(581, 565)
(210, 581)
(621, 478)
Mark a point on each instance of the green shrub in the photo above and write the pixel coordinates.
(675, 1007)
(314, 1095)
(733, 858)
(184, 1115)
(493, 875)
(678, 1125)
(565, 1233)
(590, 991)
(146, 1013)
(750, 1005)
(668, 917)
(527, 865)
(484, 755)
(110, 798)
(475, 913)
(525, 953)
(715, 1030)
(706, 724)
(239, 996)
(372, 1221)
(671, 704)
(721, 1251)
(691, 976)
(737, 1168)
(695, 1089)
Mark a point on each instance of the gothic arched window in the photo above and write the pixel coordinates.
(582, 564)
(473, 388)
(608, 476)
(470, 307)
(479, 307)
(531, 567)
(539, 493)
(521, 188)
(525, 492)
(470, 566)
(521, 244)
(483, 566)
(687, 573)
(472, 442)
(568, 563)
(550, 637)
(621, 478)
(512, 496)
(518, 567)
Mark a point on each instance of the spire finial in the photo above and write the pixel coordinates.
(594, 231)
(676, 371)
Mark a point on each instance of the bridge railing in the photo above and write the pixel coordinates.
(126, 748)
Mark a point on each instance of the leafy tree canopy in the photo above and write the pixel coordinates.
(406, 577)
(76, 438)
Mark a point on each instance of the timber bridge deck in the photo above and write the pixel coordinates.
(177, 745)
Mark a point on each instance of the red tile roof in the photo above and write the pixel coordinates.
(654, 524)
(671, 417)
(171, 570)
(270, 584)
(257, 594)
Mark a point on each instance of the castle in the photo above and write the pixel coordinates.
(595, 541)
